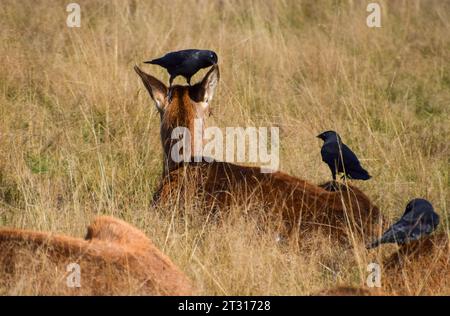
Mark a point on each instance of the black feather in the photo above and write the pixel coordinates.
(185, 63)
(340, 158)
(418, 220)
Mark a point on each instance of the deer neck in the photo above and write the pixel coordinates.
(184, 128)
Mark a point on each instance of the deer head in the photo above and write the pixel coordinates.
(180, 107)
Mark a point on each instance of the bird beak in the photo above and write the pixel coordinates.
(319, 136)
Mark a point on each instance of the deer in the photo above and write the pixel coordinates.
(348, 290)
(419, 267)
(295, 204)
(114, 256)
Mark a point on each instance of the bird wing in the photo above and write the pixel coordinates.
(175, 59)
(409, 227)
(330, 155)
(350, 159)
(329, 152)
(186, 55)
(397, 233)
(423, 223)
(412, 226)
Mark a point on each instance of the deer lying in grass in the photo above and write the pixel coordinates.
(297, 203)
(350, 291)
(419, 268)
(114, 258)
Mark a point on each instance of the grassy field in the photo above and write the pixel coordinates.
(79, 135)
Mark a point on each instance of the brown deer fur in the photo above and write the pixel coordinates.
(350, 291)
(419, 268)
(298, 203)
(114, 258)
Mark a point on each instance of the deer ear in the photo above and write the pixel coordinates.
(209, 83)
(156, 89)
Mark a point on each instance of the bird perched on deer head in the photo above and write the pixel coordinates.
(340, 158)
(419, 220)
(185, 62)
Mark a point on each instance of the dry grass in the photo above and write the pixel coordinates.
(79, 136)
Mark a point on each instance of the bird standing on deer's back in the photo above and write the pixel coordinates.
(340, 158)
(185, 62)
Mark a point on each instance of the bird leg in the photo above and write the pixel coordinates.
(169, 93)
(331, 186)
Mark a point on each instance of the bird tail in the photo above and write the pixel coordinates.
(360, 174)
(156, 61)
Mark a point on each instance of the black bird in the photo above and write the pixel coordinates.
(340, 158)
(185, 62)
(418, 220)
